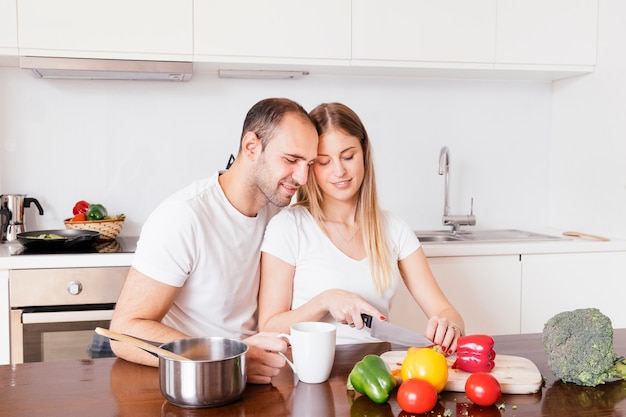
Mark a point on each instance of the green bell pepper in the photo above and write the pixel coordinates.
(371, 377)
(96, 212)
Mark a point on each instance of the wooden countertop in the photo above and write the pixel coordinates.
(114, 387)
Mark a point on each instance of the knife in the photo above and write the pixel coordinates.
(392, 333)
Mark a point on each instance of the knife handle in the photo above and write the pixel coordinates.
(367, 320)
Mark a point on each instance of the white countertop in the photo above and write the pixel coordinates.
(565, 245)
(432, 250)
(575, 245)
(69, 260)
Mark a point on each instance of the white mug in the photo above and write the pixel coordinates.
(312, 349)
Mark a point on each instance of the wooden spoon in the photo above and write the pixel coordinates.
(140, 344)
(579, 234)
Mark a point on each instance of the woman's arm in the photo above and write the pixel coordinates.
(445, 324)
(276, 295)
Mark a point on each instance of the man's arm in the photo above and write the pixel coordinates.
(139, 310)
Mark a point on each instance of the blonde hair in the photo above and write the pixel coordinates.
(337, 116)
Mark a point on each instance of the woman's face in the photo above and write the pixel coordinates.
(339, 168)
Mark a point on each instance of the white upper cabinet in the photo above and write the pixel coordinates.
(536, 39)
(547, 32)
(272, 31)
(8, 27)
(423, 31)
(138, 29)
(518, 39)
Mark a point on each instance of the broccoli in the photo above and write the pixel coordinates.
(579, 347)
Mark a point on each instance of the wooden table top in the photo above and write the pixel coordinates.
(114, 387)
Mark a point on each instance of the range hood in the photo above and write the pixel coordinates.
(106, 69)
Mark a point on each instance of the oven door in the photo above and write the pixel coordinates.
(40, 335)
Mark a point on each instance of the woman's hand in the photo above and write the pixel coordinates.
(346, 307)
(444, 333)
(262, 359)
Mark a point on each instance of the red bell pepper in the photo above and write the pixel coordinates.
(474, 353)
(80, 207)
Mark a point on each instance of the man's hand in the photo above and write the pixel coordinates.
(263, 360)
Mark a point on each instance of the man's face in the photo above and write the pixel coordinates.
(284, 165)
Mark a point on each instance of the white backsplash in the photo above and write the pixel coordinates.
(129, 144)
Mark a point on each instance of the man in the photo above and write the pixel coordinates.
(196, 268)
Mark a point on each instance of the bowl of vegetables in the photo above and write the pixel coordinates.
(95, 217)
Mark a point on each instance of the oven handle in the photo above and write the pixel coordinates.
(66, 316)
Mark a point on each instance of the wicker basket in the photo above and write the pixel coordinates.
(109, 229)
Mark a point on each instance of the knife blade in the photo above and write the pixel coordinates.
(392, 333)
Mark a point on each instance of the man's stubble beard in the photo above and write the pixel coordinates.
(268, 186)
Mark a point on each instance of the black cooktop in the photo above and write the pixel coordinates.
(121, 244)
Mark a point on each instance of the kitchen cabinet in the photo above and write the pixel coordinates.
(84, 263)
(544, 39)
(423, 31)
(549, 39)
(547, 32)
(486, 290)
(8, 28)
(5, 351)
(560, 282)
(272, 32)
(140, 29)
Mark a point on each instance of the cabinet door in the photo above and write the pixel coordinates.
(562, 282)
(8, 28)
(424, 30)
(138, 29)
(274, 30)
(5, 333)
(484, 289)
(553, 32)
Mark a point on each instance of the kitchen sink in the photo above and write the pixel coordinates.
(480, 236)
(438, 237)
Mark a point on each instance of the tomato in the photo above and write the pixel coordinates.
(426, 364)
(80, 207)
(416, 396)
(482, 388)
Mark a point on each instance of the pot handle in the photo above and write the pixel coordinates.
(78, 239)
(29, 200)
(4, 224)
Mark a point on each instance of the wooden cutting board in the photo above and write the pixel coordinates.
(516, 375)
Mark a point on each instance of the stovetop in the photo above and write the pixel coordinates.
(121, 244)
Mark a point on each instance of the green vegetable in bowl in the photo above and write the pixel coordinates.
(579, 348)
(46, 236)
(96, 212)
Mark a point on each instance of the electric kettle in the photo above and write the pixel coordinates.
(12, 214)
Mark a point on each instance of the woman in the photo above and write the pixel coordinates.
(335, 254)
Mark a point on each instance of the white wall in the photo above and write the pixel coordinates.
(588, 154)
(129, 144)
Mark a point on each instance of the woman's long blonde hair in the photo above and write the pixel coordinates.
(337, 116)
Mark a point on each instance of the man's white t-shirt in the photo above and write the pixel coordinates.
(198, 241)
(294, 237)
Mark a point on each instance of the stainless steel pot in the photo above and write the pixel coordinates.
(214, 375)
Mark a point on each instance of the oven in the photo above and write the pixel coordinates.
(54, 311)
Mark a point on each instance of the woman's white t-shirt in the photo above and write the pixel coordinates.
(198, 241)
(294, 237)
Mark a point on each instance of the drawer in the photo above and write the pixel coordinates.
(65, 286)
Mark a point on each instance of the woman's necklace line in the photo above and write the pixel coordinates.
(340, 235)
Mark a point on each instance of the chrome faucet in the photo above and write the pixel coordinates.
(454, 220)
